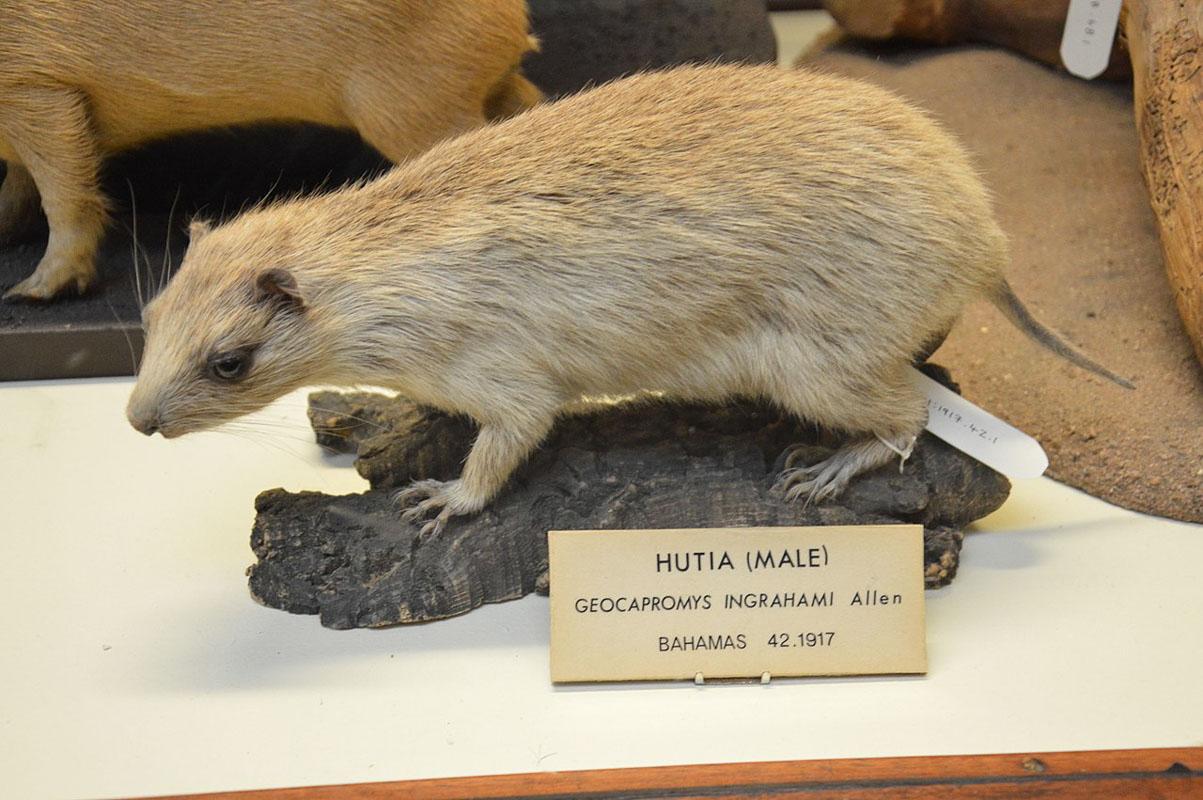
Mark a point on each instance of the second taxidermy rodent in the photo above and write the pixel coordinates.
(704, 232)
(82, 79)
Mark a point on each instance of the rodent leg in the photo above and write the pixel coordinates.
(50, 130)
(498, 450)
(898, 414)
(18, 202)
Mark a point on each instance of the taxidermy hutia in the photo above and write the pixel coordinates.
(703, 232)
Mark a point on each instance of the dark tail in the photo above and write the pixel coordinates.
(1005, 300)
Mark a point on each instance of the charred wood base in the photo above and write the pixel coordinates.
(649, 464)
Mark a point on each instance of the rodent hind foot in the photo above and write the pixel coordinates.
(813, 484)
(826, 479)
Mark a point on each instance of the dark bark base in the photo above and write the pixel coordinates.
(650, 464)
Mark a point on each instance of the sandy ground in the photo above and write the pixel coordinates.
(1062, 159)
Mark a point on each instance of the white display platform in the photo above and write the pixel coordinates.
(136, 662)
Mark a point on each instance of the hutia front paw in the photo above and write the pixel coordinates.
(421, 499)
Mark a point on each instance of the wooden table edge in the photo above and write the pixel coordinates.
(1160, 772)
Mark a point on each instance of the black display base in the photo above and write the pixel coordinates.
(352, 561)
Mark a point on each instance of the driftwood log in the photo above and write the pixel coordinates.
(1030, 27)
(1165, 39)
(651, 464)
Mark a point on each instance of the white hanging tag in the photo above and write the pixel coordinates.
(1088, 36)
(979, 434)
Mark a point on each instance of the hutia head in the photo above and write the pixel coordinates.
(225, 338)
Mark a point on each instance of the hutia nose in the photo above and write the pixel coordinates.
(148, 425)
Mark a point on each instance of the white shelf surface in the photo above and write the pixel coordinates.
(136, 662)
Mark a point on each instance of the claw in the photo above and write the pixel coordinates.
(412, 515)
(788, 479)
(420, 489)
(793, 454)
(813, 483)
(435, 526)
(423, 509)
(815, 491)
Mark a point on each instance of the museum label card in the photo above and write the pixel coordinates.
(1088, 36)
(736, 602)
(979, 434)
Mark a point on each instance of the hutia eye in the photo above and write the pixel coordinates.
(230, 366)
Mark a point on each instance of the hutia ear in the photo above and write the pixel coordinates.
(278, 285)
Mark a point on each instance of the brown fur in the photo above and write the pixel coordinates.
(705, 232)
(80, 79)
